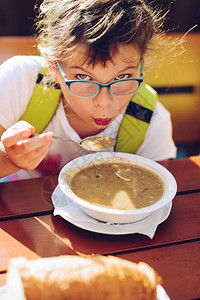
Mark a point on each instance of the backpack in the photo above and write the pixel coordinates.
(44, 102)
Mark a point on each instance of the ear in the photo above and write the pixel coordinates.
(53, 69)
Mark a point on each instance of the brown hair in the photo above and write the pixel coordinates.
(101, 25)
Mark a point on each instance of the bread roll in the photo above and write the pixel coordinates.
(80, 278)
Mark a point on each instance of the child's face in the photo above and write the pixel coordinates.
(89, 116)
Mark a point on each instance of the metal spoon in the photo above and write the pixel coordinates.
(91, 143)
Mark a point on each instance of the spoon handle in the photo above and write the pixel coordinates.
(59, 138)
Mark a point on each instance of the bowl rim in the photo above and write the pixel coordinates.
(167, 178)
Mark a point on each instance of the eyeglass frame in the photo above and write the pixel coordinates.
(101, 85)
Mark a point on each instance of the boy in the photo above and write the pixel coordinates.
(86, 44)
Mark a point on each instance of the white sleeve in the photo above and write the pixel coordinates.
(17, 81)
(158, 143)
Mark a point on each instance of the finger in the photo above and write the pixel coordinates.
(19, 131)
(30, 159)
(24, 147)
(35, 142)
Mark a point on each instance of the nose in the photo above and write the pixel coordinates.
(103, 99)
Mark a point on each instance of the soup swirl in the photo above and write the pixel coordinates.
(118, 186)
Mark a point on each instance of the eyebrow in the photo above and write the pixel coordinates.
(74, 68)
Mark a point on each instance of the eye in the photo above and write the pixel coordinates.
(83, 77)
(122, 76)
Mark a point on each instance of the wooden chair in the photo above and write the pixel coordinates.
(177, 81)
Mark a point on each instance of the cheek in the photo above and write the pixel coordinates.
(122, 103)
(81, 105)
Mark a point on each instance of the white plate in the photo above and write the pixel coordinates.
(71, 212)
(161, 294)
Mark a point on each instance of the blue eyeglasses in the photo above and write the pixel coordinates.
(88, 88)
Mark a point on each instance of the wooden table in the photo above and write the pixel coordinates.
(28, 228)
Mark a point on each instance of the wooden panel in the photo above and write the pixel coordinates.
(186, 172)
(178, 265)
(18, 45)
(170, 69)
(31, 238)
(47, 235)
(186, 66)
(185, 112)
(27, 196)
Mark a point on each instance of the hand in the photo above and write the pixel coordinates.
(23, 150)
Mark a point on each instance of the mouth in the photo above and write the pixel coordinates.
(103, 122)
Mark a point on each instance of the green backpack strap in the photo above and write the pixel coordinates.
(42, 104)
(136, 119)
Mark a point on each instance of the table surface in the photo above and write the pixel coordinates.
(28, 228)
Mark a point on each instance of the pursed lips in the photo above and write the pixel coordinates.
(102, 122)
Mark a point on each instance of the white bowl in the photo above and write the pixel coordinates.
(115, 215)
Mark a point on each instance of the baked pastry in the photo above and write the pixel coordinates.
(80, 278)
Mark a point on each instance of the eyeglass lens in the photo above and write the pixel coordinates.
(124, 87)
(89, 89)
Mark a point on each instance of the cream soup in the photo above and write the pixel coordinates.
(118, 186)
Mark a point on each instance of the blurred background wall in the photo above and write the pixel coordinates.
(16, 16)
(176, 80)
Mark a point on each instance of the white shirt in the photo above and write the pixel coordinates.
(18, 77)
